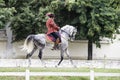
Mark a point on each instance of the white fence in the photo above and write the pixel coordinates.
(36, 63)
(27, 74)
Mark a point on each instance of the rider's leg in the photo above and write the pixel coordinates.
(57, 40)
(55, 45)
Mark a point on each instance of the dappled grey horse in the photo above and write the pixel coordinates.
(34, 42)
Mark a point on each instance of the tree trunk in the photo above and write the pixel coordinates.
(7, 3)
(90, 49)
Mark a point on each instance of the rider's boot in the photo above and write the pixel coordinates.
(56, 44)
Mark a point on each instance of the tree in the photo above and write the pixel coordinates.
(6, 14)
(28, 17)
(94, 18)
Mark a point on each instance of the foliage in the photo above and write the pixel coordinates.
(6, 14)
(93, 18)
(29, 17)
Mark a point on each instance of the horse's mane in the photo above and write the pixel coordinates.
(66, 27)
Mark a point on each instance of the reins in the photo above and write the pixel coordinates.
(66, 33)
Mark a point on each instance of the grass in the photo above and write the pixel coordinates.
(73, 78)
(20, 69)
(58, 78)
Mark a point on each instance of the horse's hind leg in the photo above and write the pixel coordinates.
(40, 56)
(29, 55)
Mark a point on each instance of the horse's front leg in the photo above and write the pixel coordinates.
(68, 55)
(61, 57)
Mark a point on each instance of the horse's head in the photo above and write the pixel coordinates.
(70, 31)
(73, 32)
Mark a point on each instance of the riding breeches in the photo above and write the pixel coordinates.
(55, 36)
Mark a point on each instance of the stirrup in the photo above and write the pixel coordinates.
(54, 48)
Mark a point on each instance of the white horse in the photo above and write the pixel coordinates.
(34, 42)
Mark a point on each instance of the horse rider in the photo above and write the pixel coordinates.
(53, 30)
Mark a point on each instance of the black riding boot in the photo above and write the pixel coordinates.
(56, 44)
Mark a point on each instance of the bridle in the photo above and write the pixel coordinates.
(71, 36)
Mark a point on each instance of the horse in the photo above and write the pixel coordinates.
(38, 41)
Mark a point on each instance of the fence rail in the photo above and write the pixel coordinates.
(27, 74)
(36, 63)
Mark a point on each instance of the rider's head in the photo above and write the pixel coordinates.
(50, 15)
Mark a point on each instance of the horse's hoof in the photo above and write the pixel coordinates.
(45, 66)
(56, 66)
(28, 56)
(74, 66)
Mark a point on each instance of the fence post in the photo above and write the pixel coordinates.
(91, 75)
(27, 75)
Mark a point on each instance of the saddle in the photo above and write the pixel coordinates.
(50, 40)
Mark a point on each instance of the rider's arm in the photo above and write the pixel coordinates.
(52, 24)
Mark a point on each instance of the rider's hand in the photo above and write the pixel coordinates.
(58, 28)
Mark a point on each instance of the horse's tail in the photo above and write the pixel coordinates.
(28, 44)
